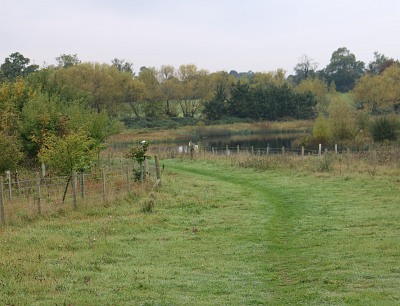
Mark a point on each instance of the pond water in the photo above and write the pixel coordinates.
(259, 139)
(263, 140)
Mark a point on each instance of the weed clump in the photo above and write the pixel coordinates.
(148, 204)
(324, 164)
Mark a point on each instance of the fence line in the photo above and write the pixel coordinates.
(268, 150)
(237, 150)
(24, 198)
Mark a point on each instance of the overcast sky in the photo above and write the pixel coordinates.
(257, 35)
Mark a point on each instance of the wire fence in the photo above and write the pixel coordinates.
(237, 150)
(23, 198)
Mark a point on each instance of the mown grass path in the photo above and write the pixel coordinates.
(325, 240)
(219, 235)
(273, 212)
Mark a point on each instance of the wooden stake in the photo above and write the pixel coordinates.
(8, 175)
(158, 172)
(38, 195)
(1, 201)
(146, 169)
(103, 179)
(74, 183)
(82, 184)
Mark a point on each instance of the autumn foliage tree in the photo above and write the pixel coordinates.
(377, 92)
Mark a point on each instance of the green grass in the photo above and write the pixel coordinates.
(219, 235)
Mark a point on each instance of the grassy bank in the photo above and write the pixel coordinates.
(219, 235)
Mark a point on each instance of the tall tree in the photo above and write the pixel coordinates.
(240, 103)
(167, 72)
(343, 69)
(380, 63)
(123, 66)
(152, 105)
(318, 88)
(306, 68)
(169, 88)
(100, 86)
(134, 93)
(67, 60)
(377, 92)
(16, 65)
(193, 88)
(215, 108)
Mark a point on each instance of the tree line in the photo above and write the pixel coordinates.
(73, 101)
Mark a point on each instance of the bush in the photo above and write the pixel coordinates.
(385, 128)
(324, 164)
(11, 153)
(321, 131)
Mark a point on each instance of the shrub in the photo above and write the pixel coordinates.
(321, 130)
(385, 128)
(324, 164)
(11, 153)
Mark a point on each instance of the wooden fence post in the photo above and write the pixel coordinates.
(103, 184)
(82, 184)
(38, 195)
(227, 150)
(74, 183)
(283, 150)
(146, 169)
(43, 170)
(237, 149)
(158, 172)
(252, 150)
(319, 149)
(16, 177)
(191, 149)
(267, 150)
(212, 149)
(1, 201)
(8, 176)
(302, 151)
(336, 150)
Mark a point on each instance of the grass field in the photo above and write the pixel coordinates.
(219, 235)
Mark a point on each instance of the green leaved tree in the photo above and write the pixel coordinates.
(73, 152)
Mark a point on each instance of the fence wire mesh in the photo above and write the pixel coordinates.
(24, 197)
